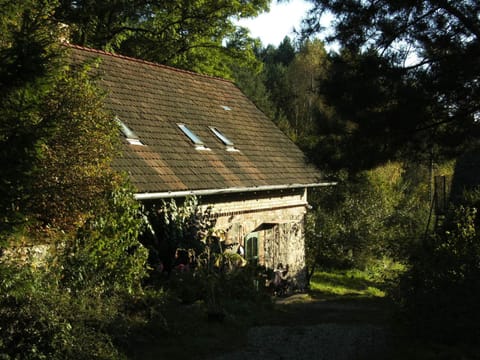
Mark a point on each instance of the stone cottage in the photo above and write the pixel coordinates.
(190, 134)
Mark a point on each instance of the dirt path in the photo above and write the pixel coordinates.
(320, 329)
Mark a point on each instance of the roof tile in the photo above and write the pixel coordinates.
(152, 99)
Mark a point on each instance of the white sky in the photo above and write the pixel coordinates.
(272, 27)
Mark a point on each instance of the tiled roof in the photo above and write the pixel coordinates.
(152, 99)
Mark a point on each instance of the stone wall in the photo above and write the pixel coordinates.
(276, 218)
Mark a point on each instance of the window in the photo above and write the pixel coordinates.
(226, 108)
(199, 145)
(130, 136)
(228, 143)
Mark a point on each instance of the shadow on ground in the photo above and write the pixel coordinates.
(312, 326)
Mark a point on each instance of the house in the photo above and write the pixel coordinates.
(191, 134)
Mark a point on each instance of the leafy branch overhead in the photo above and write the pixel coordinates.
(407, 72)
(192, 34)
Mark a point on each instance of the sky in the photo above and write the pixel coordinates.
(272, 27)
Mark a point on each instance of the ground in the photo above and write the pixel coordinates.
(312, 328)
(343, 316)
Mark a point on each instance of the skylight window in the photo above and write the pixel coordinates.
(226, 108)
(130, 136)
(199, 145)
(228, 143)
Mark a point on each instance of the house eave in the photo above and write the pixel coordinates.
(231, 190)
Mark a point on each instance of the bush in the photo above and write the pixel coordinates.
(71, 307)
(40, 321)
(105, 254)
(441, 290)
(368, 216)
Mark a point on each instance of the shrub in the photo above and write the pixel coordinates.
(105, 254)
(369, 216)
(40, 321)
(441, 290)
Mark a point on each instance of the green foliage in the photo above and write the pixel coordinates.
(191, 34)
(174, 226)
(401, 77)
(29, 54)
(440, 292)
(56, 139)
(372, 215)
(213, 274)
(74, 169)
(223, 274)
(57, 186)
(252, 83)
(304, 76)
(291, 79)
(105, 256)
(38, 320)
(276, 62)
(71, 307)
(373, 101)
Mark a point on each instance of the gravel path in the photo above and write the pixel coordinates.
(323, 341)
(330, 340)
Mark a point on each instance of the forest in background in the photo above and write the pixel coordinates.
(397, 106)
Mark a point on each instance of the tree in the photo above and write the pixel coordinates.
(370, 216)
(377, 111)
(293, 78)
(410, 70)
(29, 68)
(439, 292)
(57, 141)
(57, 186)
(191, 34)
(304, 75)
(275, 65)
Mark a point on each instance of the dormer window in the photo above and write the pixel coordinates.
(130, 136)
(225, 140)
(199, 145)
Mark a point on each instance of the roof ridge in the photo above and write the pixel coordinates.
(141, 61)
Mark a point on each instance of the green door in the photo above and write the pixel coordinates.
(251, 247)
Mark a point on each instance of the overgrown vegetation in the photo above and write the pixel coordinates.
(366, 117)
(59, 194)
(369, 217)
(194, 263)
(440, 291)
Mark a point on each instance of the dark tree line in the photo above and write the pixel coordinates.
(407, 75)
(405, 85)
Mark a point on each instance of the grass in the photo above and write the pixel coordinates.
(337, 283)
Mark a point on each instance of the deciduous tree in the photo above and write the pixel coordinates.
(192, 34)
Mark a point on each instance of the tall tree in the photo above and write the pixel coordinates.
(276, 62)
(56, 146)
(304, 75)
(419, 62)
(56, 140)
(193, 34)
(29, 53)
